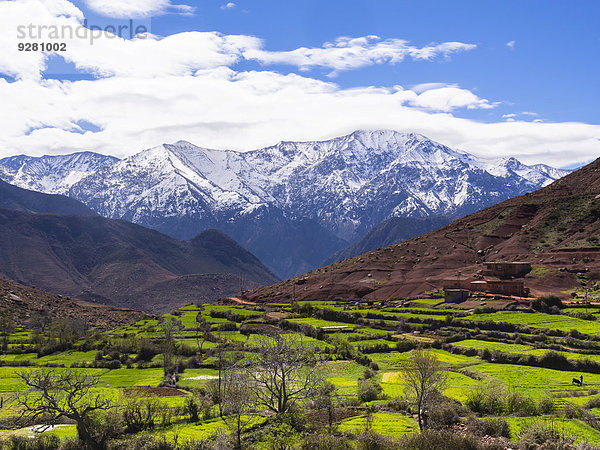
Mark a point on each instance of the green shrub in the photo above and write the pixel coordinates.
(398, 404)
(546, 302)
(43, 442)
(324, 441)
(369, 390)
(593, 403)
(443, 415)
(547, 405)
(370, 440)
(496, 400)
(539, 434)
(438, 440)
(515, 403)
(495, 427)
(485, 401)
(140, 414)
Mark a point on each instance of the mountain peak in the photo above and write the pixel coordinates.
(52, 174)
(184, 143)
(341, 187)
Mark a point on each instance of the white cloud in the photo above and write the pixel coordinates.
(352, 53)
(529, 113)
(225, 109)
(511, 44)
(105, 54)
(447, 99)
(422, 87)
(178, 54)
(182, 87)
(135, 8)
(229, 5)
(15, 18)
(102, 53)
(509, 116)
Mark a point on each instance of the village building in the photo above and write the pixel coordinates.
(503, 269)
(502, 278)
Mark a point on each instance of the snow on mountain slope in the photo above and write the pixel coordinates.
(51, 174)
(343, 186)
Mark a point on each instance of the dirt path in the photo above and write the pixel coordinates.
(240, 301)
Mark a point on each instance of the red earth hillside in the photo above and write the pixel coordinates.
(556, 228)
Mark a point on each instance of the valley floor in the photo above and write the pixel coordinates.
(489, 350)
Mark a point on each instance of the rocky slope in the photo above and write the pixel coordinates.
(120, 263)
(556, 228)
(390, 231)
(22, 303)
(13, 197)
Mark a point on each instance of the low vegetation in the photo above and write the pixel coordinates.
(318, 375)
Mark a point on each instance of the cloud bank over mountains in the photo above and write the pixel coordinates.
(154, 89)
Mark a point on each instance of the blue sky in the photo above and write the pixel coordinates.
(552, 70)
(493, 78)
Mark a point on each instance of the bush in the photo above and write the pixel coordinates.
(370, 440)
(147, 350)
(438, 440)
(496, 400)
(398, 404)
(554, 360)
(324, 441)
(139, 415)
(43, 442)
(515, 403)
(537, 433)
(494, 427)
(143, 442)
(192, 409)
(547, 406)
(593, 403)
(545, 303)
(486, 400)
(226, 326)
(104, 426)
(444, 415)
(368, 373)
(369, 390)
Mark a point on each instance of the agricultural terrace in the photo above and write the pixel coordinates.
(513, 367)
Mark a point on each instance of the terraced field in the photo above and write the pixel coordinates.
(516, 350)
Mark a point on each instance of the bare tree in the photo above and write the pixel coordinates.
(67, 331)
(170, 326)
(40, 320)
(424, 377)
(283, 371)
(52, 394)
(202, 330)
(216, 388)
(7, 326)
(238, 403)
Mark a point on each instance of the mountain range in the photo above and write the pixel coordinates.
(556, 229)
(293, 204)
(115, 262)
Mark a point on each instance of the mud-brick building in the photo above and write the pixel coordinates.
(504, 287)
(501, 278)
(503, 269)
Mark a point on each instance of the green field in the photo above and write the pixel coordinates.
(129, 362)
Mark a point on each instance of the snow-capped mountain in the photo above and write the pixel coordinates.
(295, 203)
(51, 174)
